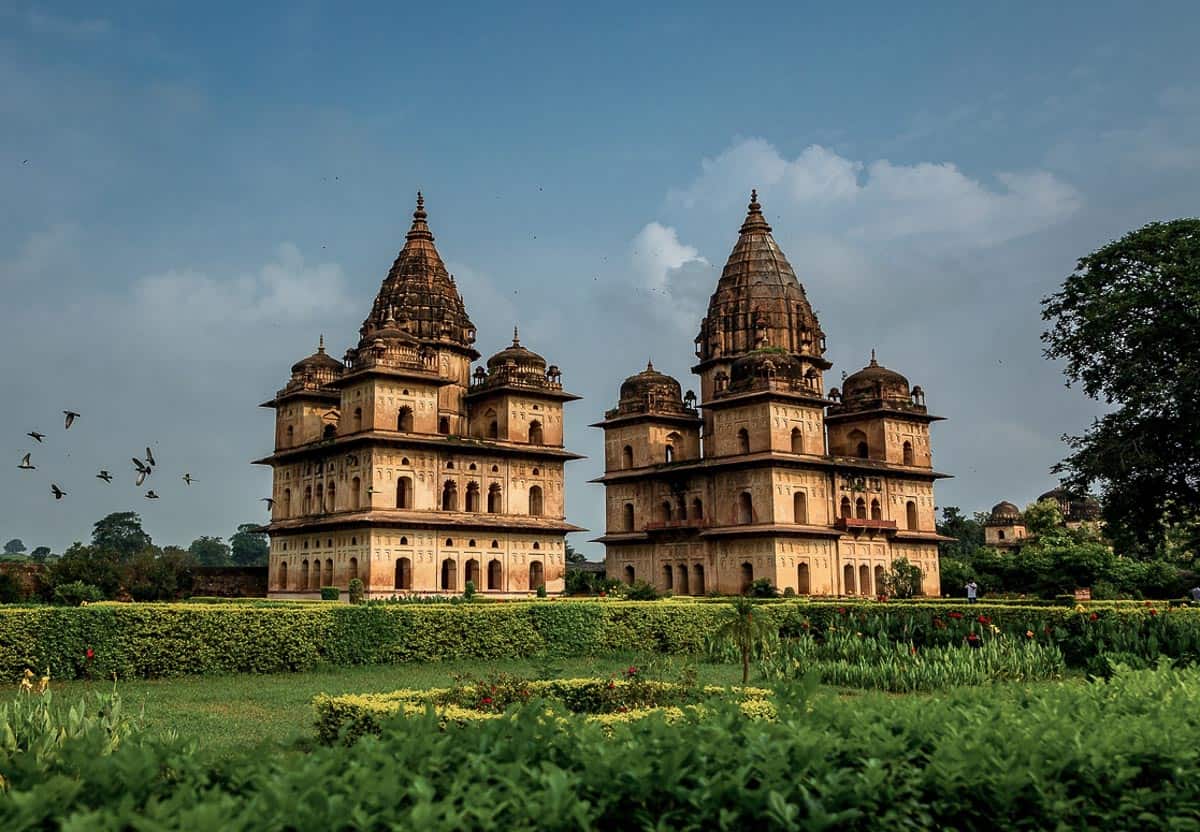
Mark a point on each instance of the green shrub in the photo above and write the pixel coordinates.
(469, 590)
(541, 591)
(77, 593)
(330, 593)
(356, 591)
(641, 591)
(762, 588)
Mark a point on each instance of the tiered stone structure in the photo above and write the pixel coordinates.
(1005, 526)
(401, 468)
(769, 476)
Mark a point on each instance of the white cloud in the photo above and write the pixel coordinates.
(656, 250)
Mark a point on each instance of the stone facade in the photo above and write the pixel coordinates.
(767, 476)
(402, 468)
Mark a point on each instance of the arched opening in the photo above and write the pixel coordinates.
(444, 425)
(285, 505)
(329, 572)
(1000, 534)
(664, 512)
(844, 509)
(745, 508)
(493, 500)
(472, 572)
(493, 429)
(876, 510)
(449, 496)
(329, 431)
(627, 457)
(536, 576)
(698, 583)
(357, 421)
(669, 454)
(320, 501)
(404, 420)
(627, 517)
(864, 579)
(353, 569)
(860, 509)
(858, 441)
(908, 453)
(743, 436)
(668, 577)
(797, 441)
(403, 573)
(303, 575)
(291, 435)
(473, 496)
(535, 433)
(630, 575)
(910, 514)
(535, 501)
(800, 507)
(697, 509)
(802, 580)
(682, 575)
(306, 504)
(404, 492)
(879, 581)
(315, 575)
(355, 492)
(848, 579)
(283, 584)
(331, 497)
(681, 512)
(495, 575)
(673, 440)
(449, 574)
(747, 577)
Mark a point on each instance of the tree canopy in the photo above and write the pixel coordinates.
(209, 551)
(120, 533)
(1127, 325)
(14, 547)
(248, 546)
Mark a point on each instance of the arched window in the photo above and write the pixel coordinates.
(444, 425)
(627, 457)
(668, 577)
(802, 580)
(673, 440)
(664, 512)
(536, 575)
(797, 441)
(630, 575)
(682, 513)
(306, 506)
(848, 579)
(329, 572)
(472, 573)
(858, 441)
(745, 508)
(331, 497)
(697, 509)
(404, 492)
(864, 579)
(1000, 534)
(329, 431)
(303, 575)
(473, 496)
(493, 430)
(404, 420)
(315, 575)
(494, 505)
(535, 433)
(743, 441)
(800, 507)
(879, 580)
(627, 517)
(404, 541)
(320, 502)
(283, 574)
(449, 574)
(844, 509)
(698, 583)
(535, 501)
(403, 573)
(285, 505)
(910, 512)
(876, 510)
(291, 435)
(908, 453)
(860, 509)
(747, 576)
(669, 455)
(449, 496)
(355, 492)
(495, 544)
(495, 575)
(357, 423)
(353, 569)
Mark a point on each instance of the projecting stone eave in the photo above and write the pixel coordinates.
(782, 459)
(397, 439)
(621, 537)
(932, 537)
(833, 417)
(320, 395)
(441, 520)
(422, 376)
(682, 419)
(482, 392)
(728, 400)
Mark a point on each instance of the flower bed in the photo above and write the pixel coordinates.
(606, 701)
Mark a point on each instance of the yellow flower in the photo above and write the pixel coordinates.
(995, 629)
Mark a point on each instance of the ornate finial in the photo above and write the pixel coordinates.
(649, 366)
(419, 230)
(754, 194)
(516, 337)
(420, 201)
(754, 216)
(321, 343)
(874, 363)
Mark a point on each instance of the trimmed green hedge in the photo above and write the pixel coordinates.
(151, 640)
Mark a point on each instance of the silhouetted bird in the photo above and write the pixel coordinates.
(38, 436)
(71, 417)
(150, 495)
(57, 492)
(104, 475)
(141, 466)
(150, 458)
(270, 503)
(141, 477)
(188, 479)
(26, 464)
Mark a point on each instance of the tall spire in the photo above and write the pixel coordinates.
(420, 228)
(321, 343)
(874, 363)
(516, 337)
(755, 222)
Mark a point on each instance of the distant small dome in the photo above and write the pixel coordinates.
(875, 382)
(1073, 506)
(517, 354)
(1005, 511)
(319, 360)
(651, 382)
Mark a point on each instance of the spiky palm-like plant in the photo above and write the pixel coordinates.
(747, 626)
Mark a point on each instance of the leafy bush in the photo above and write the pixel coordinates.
(77, 593)
(640, 591)
(762, 588)
(330, 593)
(541, 591)
(356, 591)
(469, 590)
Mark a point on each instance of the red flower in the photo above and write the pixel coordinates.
(622, 710)
(805, 625)
(955, 615)
(1094, 617)
(841, 610)
(91, 654)
(983, 619)
(603, 594)
(1153, 611)
(972, 637)
(487, 700)
(611, 684)
(939, 623)
(631, 671)
(913, 650)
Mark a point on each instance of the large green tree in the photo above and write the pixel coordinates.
(249, 545)
(14, 547)
(120, 533)
(210, 551)
(1127, 325)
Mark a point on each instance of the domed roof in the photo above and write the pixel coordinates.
(421, 291)
(651, 381)
(875, 382)
(1004, 511)
(517, 354)
(1073, 506)
(757, 297)
(317, 361)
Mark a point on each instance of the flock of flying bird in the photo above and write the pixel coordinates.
(143, 468)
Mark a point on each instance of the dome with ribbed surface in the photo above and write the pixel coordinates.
(1004, 512)
(1073, 507)
(651, 383)
(758, 299)
(421, 293)
(875, 382)
(518, 355)
(318, 362)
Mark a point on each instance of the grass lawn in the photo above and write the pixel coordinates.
(233, 714)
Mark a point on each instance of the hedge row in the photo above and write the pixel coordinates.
(152, 640)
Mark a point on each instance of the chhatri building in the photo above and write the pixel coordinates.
(401, 467)
(768, 475)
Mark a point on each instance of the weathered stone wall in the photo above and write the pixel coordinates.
(231, 581)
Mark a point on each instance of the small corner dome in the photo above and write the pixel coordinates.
(517, 354)
(319, 360)
(1004, 510)
(875, 381)
(650, 381)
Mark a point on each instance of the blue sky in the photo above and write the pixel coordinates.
(193, 194)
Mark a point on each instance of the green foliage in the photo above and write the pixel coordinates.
(40, 553)
(10, 589)
(248, 546)
(1042, 518)
(356, 591)
(469, 590)
(14, 547)
(120, 534)
(747, 627)
(88, 564)
(1127, 324)
(77, 593)
(903, 580)
(154, 575)
(330, 593)
(639, 591)
(762, 588)
(541, 591)
(966, 531)
(210, 551)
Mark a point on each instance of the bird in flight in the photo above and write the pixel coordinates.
(38, 436)
(150, 458)
(141, 477)
(71, 417)
(26, 465)
(188, 479)
(270, 503)
(104, 475)
(141, 466)
(56, 491)
(150, 495)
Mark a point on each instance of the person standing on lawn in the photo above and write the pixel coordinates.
(972, 591)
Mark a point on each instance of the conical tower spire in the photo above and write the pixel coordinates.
(420, 228)
(755, 221)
